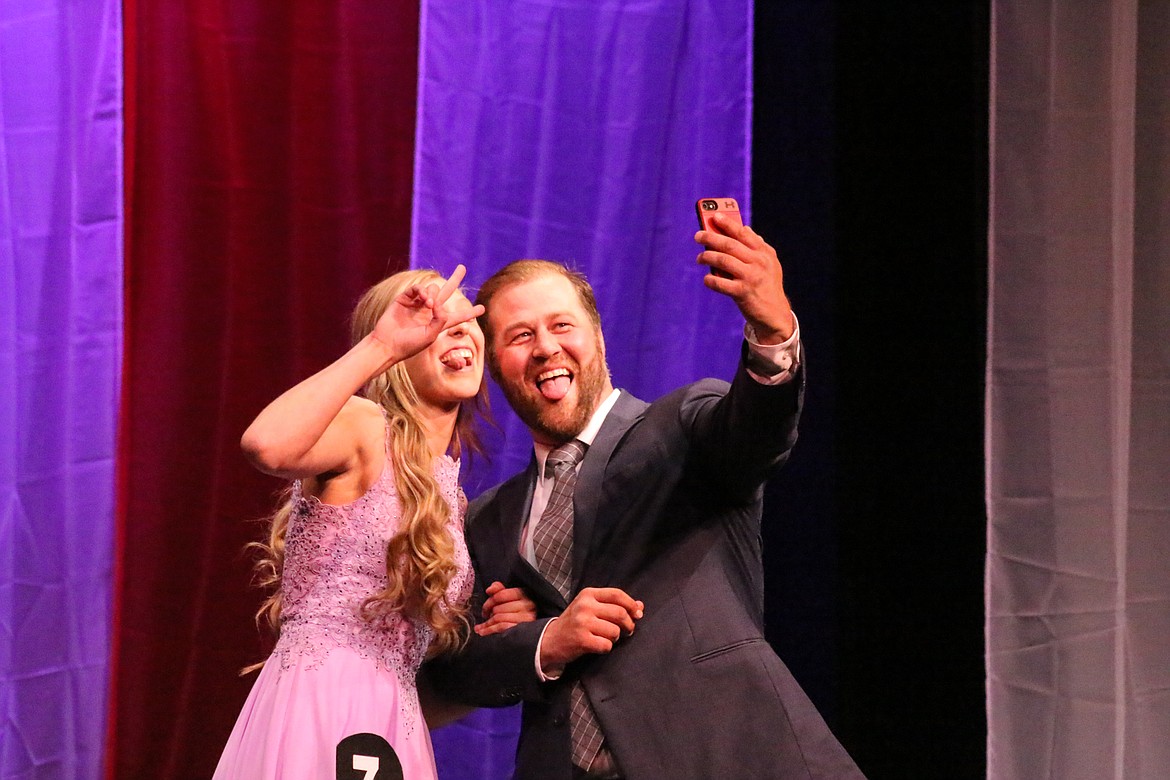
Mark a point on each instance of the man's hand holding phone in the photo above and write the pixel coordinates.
(745, 268)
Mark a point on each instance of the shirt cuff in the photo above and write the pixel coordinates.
(773, 364)
(539, 670)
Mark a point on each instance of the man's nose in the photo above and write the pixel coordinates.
(545, 344)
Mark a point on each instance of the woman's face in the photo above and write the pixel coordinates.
(450, 370)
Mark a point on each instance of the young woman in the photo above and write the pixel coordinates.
(368, 558)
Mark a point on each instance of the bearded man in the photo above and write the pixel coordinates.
(636, 531)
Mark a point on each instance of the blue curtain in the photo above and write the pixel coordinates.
(583, 131)
(60, 342)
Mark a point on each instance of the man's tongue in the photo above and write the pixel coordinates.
(555, 389)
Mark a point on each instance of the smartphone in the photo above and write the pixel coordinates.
(708, 207)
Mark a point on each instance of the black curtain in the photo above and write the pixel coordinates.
(870, 172)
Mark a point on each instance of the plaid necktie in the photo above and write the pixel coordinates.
(552, 543)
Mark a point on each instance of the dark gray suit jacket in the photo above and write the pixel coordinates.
(667, 507)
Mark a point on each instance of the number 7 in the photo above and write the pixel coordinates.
(367, 764)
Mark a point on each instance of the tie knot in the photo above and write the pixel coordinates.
(566, 456)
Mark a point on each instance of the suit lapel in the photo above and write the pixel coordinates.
(587, 494)
(514, 502)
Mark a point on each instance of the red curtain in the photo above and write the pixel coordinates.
(269, 159)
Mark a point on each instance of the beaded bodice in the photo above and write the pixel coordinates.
(335, 558)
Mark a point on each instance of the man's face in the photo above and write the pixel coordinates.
(549, 357)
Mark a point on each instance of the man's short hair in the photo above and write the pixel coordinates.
(521, 271)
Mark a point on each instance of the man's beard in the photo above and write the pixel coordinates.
(559, 422)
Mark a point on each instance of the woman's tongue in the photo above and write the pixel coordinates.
(556, 388)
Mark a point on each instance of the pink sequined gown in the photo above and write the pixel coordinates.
(333, 674)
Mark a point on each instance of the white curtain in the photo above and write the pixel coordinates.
(1078, 404)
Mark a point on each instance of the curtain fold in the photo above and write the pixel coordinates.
(583, 132)
(1078, 591)
(271, 161)
(60, 348)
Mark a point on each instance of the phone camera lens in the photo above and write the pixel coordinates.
(710, 205)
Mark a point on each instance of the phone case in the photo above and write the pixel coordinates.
(706, 207)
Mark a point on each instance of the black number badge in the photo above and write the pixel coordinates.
(367, 757)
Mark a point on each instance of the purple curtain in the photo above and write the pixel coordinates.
(60, 344)
(583, 131)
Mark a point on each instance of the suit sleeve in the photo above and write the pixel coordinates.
(740, 436)
(490, 671)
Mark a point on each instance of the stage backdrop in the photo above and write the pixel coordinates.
(268, 160)
(270, 156)
(1078, 587)
(583, 132)
(270, 148)
(60, 341)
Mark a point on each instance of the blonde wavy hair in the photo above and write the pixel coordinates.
(420, 558)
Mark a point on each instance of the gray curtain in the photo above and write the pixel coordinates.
(1078, 404)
